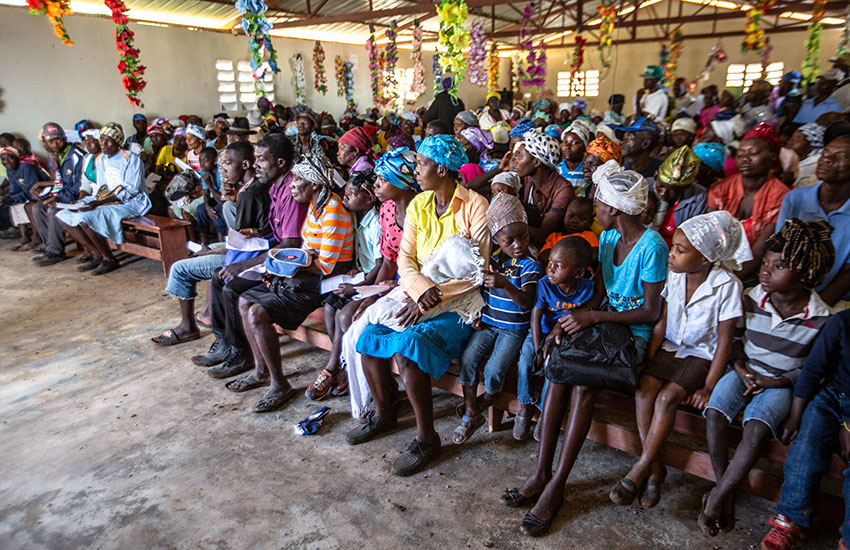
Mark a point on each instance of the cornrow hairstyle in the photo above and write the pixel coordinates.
(364, 180)
(805, 247)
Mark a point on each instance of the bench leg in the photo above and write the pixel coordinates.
(495, 417)
(172, 244)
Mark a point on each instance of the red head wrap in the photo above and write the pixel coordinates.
(766, 133)
(360, 138)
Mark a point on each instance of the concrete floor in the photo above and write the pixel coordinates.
(110, 442)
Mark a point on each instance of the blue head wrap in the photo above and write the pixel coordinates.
(553, 130)
(712, 155)
(81, 125)
(522, 126)
(397, 167)
(445, 151)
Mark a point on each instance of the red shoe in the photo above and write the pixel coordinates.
(321, 386)
(340, 386)
(783, 535)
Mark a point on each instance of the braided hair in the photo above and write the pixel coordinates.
(805, 247)
(364, 180)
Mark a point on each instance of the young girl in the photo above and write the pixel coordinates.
(782, 315)
(690, 344)
(633, 267)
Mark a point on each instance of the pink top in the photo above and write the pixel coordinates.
(707, 115)
(469, 171)
(390, 232)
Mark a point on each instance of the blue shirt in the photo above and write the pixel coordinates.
(216, 179)
(70, 173)
(645, 263)
(829, 359)
(555, 304)
(803, 204)
(575, 177)
(20, 181)
(500, 311)
(810, 112)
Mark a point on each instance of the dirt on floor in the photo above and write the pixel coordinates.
(109, 441)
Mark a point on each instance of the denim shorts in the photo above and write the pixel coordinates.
(770, 406)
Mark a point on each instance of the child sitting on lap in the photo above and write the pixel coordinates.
(578, 219)
(509, 291)
(505, 182)
(782, 317)
(690, 344)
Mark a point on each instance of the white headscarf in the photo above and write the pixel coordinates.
(511, 179)
(581, 129)
(543, 147)
(719, 237)
(625, 190)
(607, 131)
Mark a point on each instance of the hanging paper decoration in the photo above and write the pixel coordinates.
(418, 85)
(673, 53)
(577, 60)
(257, 27)
(300, 80)
(131, 69)
(534, 75)
(809, 69)
(754, 36)
(374, 70)
(525, 42)
(390, 60)
(340, 75)
(477, 54)
(716, 54)
(320, 81)
(517, 72)
(348, 76)
(454, 39)
(54, 10)
(844, 43)
(608, 14)
(493, 69)
(438, 75)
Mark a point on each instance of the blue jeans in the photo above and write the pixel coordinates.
(228, 210)
(503, 346)
(203, 220)
(810, 456)
(186, 274)
(770, 406)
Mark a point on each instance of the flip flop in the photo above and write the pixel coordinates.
(170, 338)
(273, 402)
(245, 383)
(624, 492)
(200, 320)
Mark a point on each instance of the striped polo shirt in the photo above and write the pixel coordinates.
(500, 311)
(775, 346)
(330, 232)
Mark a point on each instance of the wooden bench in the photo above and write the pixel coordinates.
(155, 237)
(614, 425)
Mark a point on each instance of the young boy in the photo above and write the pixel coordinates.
(578, 219)
(510, 287)
(211, 213)
(817, 425)
(361, 201)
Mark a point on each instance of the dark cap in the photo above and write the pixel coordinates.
(240, 127)
(52, 130)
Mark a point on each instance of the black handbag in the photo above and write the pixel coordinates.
(601, 356)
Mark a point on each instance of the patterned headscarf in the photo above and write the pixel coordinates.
(504, 210)
(523, 125)
(553, 130)
(444, 150)
(197, 131)
(315, 169)
(680, 168)
(397, 166)
(544, 148)
(511, 179)
(400, 140)
(581, 129)
(467, 117)
(482, 140)
(814, 134)
(806, 247)
(625, 190)
(720, 238)
(10, 151)
(712, 155)
(114, 131)
(580, 104)
(605, 149)
(361, 139)
(768, 134)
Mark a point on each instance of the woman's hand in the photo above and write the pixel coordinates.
(576, 320)
(430, 298)
(363, 304)
(409, 314)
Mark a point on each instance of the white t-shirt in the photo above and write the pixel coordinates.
(655, 104)
(692, 327)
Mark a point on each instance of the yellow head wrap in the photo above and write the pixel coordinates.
(680, 168)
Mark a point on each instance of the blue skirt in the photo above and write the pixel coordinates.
(431, 345)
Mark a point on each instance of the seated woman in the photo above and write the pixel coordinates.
(681, 197)
(355, 149)
(121, 194)
(633, 262)
(493, 112)
(598, 152)
(754, 195)
(424, 349)
(328, 237)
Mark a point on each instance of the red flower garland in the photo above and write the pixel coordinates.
(130, 67)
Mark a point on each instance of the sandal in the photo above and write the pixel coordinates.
(274, 401)
(245, 383)
(171, 338)
(624, 492)
(482, 403)
(202, 320)
(651, 494)
(533, 526)
(709, 525)
(467, 427)
(512, 498)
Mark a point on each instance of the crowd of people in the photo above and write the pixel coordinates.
(696, 252)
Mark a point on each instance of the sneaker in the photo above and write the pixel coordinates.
(49, 259)
(369, 428)
(321, 386)
(783, 535)
(416, 457)
(340, 386)
(237, 362)
(217, 354)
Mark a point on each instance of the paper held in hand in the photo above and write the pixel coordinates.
(332, 283)
(238, 241)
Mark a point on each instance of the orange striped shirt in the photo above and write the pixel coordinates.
(330, 233)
